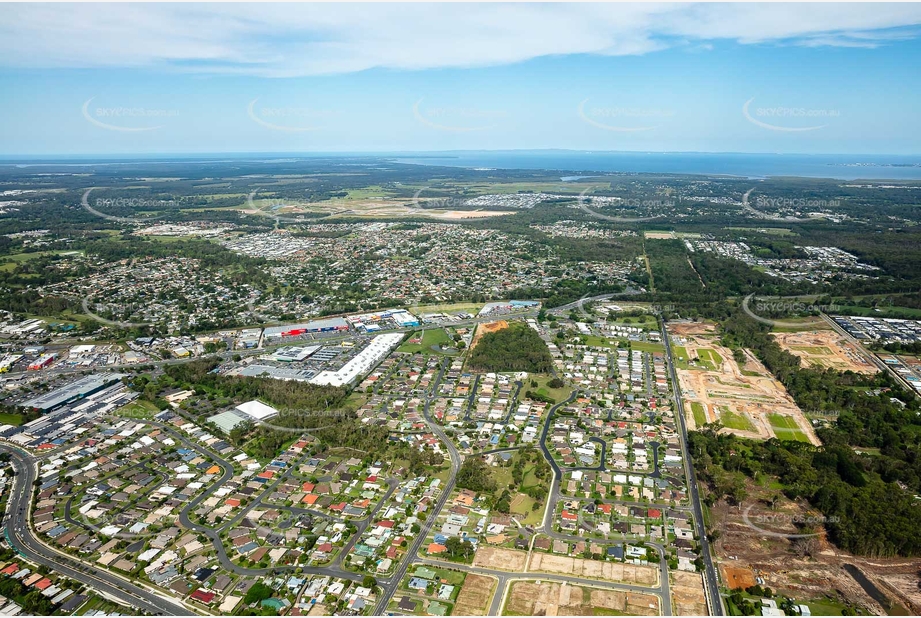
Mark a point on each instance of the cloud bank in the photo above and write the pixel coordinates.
(287, 40)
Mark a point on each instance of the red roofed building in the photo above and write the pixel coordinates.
(308, 486)
(325, 547)
(337, 507)
(570, 516)
(10, 570)
(385, 524)
(655, 513)
(437, 548)
(232, 502)
(43, 584)
(204, 596)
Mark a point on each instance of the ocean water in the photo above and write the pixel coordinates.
(574, 163)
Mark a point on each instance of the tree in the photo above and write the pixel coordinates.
(369, 582)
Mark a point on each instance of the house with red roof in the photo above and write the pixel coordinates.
(43, 584)
(11, 569)
(203, 596)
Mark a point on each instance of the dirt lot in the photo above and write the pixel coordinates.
(691, 328)
(739, 397)
(487, 327)
(826, 348)
(595, 569)
(736, 577)
(806, 569)
(527, 598)
(475, 596)
(687, 592)
(501, 559)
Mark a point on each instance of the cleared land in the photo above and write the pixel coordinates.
(747, 400)
(737, 577)
(529, 598)
(500, 559)
(595, 569)
(474, 597)
(687, 592)
(487, 327)
(825, 348)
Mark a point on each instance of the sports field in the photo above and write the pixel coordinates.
(785, 428)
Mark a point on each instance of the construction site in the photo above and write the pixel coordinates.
(746, 399)
(827, 349)
(537, 598)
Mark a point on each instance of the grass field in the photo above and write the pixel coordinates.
(600, 342)
(710, 359)
(732, 420)
(814, 350)
(467, 307)
(775, 231)
(138, 408)
(11, 419)
(646, 346)
(10, 262)
(700, 416)
(430, 337)
(786, 428)
(557, 394)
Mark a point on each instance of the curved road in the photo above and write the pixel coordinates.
(21, 537)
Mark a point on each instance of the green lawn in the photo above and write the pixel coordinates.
(647, 346)
(138, 408)
(430, 337)
(700, 415)
(10, 419)
(786, 428)
(599, 342)
(557, 394)
(733, 420)
(709, 358)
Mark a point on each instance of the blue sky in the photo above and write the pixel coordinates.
(138, 79)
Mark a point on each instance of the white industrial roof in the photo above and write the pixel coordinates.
(257, 410)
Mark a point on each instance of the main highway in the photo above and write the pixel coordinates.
(711, 581)
(20, 536)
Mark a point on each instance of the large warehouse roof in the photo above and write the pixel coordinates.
(257, 410)
(73, 390)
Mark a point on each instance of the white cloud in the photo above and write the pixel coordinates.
(279, 40)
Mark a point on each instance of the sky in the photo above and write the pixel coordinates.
(213, 78)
